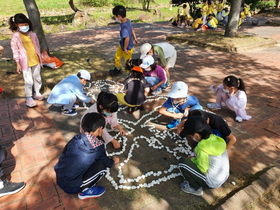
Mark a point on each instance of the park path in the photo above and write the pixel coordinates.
(35, 137)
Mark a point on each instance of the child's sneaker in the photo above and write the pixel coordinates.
(156, 92)
(30, 102)
(69, 112)
(10, 188)
(188, 189)
(92, 192)
(115, 71)
(75, 106)
(238, 118)
(173, 123)
(39, 97)
(214, 106)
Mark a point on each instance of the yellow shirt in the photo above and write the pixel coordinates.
(183, 12)
(197, 22)
(213, 22)
(220, 7)
(204, 9)
(28, 45)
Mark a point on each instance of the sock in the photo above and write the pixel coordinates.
(29, 97)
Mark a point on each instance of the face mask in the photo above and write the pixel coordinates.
(148, 69)
(226, 91)
(178, 101)
(24, 29)
(107, 114)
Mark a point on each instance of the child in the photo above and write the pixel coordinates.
(154, 74)
(183, 14)
(178, 104)
(127, 34)
(83, 161)
(136, 90)
(218, 125)
(66, 93)
(232, 94)
(27, 55)
(209, 168)
(175, 20)
(107, 105)
(204, 11)
(212, 22)
(165, 53)
(197, 24)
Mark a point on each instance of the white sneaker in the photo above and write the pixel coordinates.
(188, 189)
(31, 103)
(39, 97)
(238, 118)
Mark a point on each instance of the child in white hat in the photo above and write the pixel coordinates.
(178, 104)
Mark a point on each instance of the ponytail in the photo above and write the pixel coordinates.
(12, 24)
(241, 85)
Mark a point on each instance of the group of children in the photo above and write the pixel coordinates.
(84, 161)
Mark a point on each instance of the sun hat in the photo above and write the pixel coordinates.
(147, 61)
(84, 74)
(137, 68)
(192, 125)
(179, 90)
(144, 49)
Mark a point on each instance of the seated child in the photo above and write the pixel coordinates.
(209, 168)
(107, 105)
(231, 94)
(198, 22)
(136, 89)
(83, 161)
(175, 20)
(178, 104)
(212, 22)
(154, 74)
(218, 125)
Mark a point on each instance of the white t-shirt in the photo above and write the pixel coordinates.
(168, 49)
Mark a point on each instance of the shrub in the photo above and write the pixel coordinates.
(119, 2)
(94, 3)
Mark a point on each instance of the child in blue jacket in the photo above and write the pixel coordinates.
(84, 161)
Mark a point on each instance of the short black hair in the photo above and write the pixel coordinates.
(108, 101)
(198, 112)
(92, 121)
(119, 10)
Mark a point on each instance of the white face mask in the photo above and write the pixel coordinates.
(24, 29)
(149, 69)
(178, 101)
(194, 139)
(226, 91)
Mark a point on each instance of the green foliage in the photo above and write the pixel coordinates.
(61, 19)
(263, 5)
(94, 3)
(119, 3)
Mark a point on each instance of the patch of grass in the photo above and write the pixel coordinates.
(59, 19)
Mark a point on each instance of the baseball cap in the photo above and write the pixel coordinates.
(192, 125)
(179, 90)
(137, 68)
(147, 61)
(144, 49)
(84, 74)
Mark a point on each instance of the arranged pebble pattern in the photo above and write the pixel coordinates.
(155, 140)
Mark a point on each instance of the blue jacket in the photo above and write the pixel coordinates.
(77, 156)
(65, 89)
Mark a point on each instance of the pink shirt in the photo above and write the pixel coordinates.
(19, 53)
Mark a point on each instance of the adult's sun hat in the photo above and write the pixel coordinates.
(179, 90)
(144, 49)
(84, 74)
(137, 68)
(147, 61)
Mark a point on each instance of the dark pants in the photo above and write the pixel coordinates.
(94, 173)
(192, 174)
(2, 158)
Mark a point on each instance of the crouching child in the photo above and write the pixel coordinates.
(83, 161)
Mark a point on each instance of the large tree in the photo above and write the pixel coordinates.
(34, 16)
(233, 18)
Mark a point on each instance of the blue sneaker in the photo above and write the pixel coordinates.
(92, 192)
(69, 112)
(173, 123)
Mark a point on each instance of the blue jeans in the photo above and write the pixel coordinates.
(152, 81)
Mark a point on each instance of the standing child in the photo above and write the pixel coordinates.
(83, 161)
(178, 104)
(26, 53)
(127, 35)
(154, 74)
(209, 168)
(183, 14)
(165, 54)
(107, 105)
(136, 89)
(231, 94)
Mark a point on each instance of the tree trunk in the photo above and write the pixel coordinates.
(71, 3)
(277, 3)
(34, 16)
(233, 19)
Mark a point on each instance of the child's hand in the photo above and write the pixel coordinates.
(154, 87)
(178, 115)
(136, 41)
(122, 132)
(126, 51)
(116, 160)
